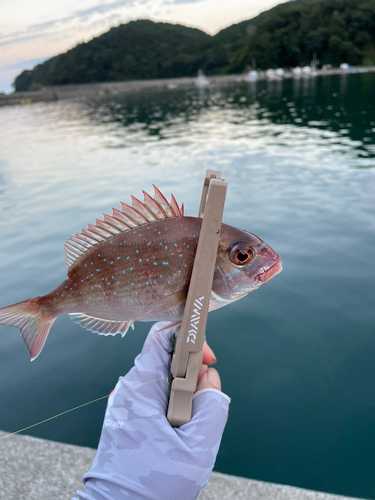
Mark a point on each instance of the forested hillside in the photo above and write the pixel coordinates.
(287, 35)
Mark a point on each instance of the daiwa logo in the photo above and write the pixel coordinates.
(194, 321)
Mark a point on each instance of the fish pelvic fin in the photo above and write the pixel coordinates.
(34, 325)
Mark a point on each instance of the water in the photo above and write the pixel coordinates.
(296, 356)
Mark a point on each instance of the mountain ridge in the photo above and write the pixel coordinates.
(287, 35)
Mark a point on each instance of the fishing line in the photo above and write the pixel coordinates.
(77, 408)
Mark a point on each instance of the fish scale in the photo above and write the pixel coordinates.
(136, 266)
(117, 279)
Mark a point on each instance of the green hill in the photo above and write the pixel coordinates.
(287, 35)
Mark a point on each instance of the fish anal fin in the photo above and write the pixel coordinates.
(140, 213)
(101, 326)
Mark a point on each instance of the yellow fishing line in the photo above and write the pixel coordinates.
(75, 408)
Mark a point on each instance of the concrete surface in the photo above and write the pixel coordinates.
(37, 469)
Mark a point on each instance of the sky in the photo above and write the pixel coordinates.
(31, 32)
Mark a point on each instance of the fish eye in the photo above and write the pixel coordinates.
(241, 256)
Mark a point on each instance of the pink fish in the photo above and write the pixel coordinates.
(135, 266)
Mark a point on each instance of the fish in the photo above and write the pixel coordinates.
(135, 265)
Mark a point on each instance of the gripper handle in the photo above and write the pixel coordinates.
(187, 359)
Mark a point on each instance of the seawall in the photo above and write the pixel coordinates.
(91, 90)
(37, 469)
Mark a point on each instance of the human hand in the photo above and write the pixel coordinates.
(140, 456)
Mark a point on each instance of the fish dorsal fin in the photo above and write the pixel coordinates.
(138, 214)
(100, 325)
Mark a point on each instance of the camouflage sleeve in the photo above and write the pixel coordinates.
(140, 456)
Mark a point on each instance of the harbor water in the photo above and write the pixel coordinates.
(296, 356)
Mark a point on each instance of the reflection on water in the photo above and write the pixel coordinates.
(296, 356)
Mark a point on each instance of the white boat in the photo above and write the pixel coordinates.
(201, 80)
(297, 72)
(270, 74)
(344, 67)
(306, 70)
(252, 76)
(280, 73)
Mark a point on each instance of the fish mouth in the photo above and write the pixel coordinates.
(271, 272)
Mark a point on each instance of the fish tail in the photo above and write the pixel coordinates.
(33, 323)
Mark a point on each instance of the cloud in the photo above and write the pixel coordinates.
(184, 1)
(39, 30)
(25, 64)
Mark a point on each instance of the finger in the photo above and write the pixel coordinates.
(203, 370)
(209, 379)
(209, 357)
(209, 415)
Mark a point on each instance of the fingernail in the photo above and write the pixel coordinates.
(212, 353)
(213, 378)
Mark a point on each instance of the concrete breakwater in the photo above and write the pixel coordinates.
(37, 469)
(91, 90)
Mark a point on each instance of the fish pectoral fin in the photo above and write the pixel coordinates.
(100, 325)
(163, 305)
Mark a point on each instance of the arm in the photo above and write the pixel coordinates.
(140, 456)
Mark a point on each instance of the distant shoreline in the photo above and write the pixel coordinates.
(90, 90)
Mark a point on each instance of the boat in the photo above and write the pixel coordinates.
(344, 67)
(270, 74)
(252, 76)
(297, 72)
(201, 80)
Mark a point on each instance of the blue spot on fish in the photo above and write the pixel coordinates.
(136, 251)
(127, 258)
(118, 258)
(155, 264)
(165, 263)
(111, 261)
(149, 243)
(175, 244)
(123, 272)
(165, 247)
(98, 270)
(140, 260)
